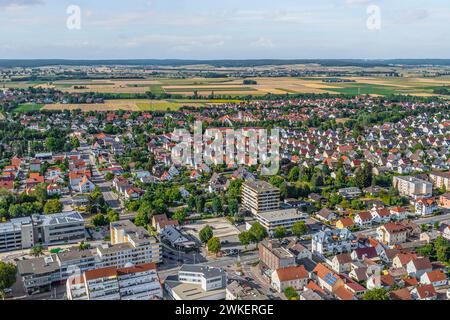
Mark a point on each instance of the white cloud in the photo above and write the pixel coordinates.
(20, 3)
(262, 43)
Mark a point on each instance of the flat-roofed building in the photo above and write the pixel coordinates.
(138, 247)
(285, 218)
(129, 244)
(59, 228)
(16, 235)
(238, 291)
(196, 282)
(412, 187)
(140, 282)
(273, 256)
(259, 196)
(39, 272)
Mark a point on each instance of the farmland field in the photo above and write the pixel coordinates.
(28, 107)
(137, 105)
(232, 88)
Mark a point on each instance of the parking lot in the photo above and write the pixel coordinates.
(222, 229)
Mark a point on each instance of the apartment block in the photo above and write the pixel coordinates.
(412, 187)
(440, 179)
(260, 196)
(136, 247)
(140, 282)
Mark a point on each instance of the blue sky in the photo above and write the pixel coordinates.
(209, 29)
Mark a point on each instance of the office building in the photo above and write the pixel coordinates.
(54, 229)
(285, 218)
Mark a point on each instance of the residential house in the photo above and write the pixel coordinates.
(294, 276)
(341, 263)
(437, 278)
(344, 223)
(417, 267)
(425, 292)
(363, 219)
(392, 234)
(425, 207)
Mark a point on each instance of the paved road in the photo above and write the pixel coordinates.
(111, 198)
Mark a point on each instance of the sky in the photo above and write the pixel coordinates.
(228, 29)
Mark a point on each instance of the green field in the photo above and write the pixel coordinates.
(156, 89)
(28, 107)
(209, 89)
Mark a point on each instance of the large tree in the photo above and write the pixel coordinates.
(7, 275)
(214, 245)
(206, 234)
(257, 232)
(376, 294)
(280, 232)
(299, 228)
(53, 206)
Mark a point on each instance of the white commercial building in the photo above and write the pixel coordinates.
(59, 228)
(285, 218)
(196, 282)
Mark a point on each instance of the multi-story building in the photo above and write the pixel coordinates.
(16, 235)
(440, 179)
(130, 245)
(195, 282)
(140, 282)
(273, 256)
(412, 187)
(392, 233)
(260, 196)
(333, 241)
(60, 228)
(285, 218)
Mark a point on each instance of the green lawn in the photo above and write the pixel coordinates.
(26, 107)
